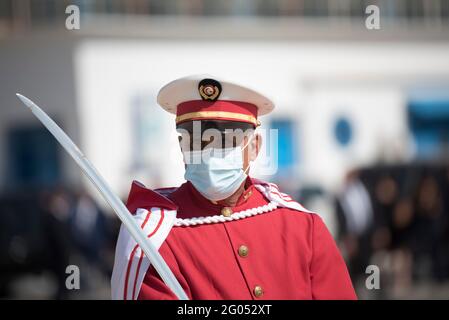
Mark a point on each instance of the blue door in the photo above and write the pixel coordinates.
(33, 158)
(288, 145)
(429, 124)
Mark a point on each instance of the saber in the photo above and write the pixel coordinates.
(116, 204)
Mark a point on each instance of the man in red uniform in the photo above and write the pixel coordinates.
(224, 234)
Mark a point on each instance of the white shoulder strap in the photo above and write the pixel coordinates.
(272, 193)
(130, 265)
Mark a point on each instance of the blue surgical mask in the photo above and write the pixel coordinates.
(215, 173)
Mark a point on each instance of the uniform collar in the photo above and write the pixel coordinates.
(191, 203)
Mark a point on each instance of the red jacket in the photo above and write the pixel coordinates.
(280, 254)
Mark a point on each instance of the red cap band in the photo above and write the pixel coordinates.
(217, 110)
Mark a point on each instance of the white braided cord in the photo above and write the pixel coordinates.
(220, 218)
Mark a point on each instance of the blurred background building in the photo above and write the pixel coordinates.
(362, 118)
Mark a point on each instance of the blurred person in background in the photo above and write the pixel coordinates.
(57, 206)
(89, 231)
(355, 220)
(407, 236)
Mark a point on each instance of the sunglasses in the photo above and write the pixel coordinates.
(217, 134)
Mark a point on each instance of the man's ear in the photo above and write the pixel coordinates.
(179, 142)
(255, 146)
(180, 148)
(183, 139)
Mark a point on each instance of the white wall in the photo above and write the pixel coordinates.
(377, 115)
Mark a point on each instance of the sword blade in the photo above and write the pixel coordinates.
(116, 204)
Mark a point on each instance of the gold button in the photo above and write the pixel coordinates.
(226, 211)
(243, 251)
(258, 291)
